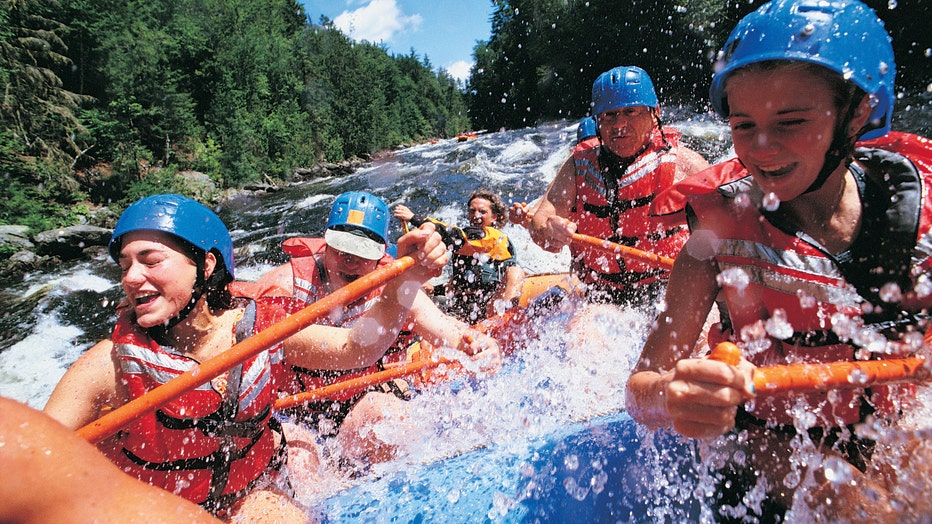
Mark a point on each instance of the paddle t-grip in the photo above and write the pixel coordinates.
(726, 352)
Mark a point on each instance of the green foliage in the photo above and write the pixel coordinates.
(160, 181)
(33, 195)
(105, 99)
(543, 55)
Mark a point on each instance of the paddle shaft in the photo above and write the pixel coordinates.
(810, 377)
(357, 384)
(238, 353)
(651, 259)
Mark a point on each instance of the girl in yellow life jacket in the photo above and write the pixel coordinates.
(485, 278)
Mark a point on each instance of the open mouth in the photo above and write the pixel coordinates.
(347, 277)
(777, 170)
(145, 299)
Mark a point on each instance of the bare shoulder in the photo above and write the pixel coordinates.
(88, 385)
(278, 282)
(688, 162)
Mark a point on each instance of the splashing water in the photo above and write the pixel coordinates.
(498, 447)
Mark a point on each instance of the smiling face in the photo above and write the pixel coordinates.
(782, 123)
(343, 268)
(481, 213)
(157, 276)
(626, 131)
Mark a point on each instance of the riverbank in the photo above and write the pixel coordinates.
(23, 251)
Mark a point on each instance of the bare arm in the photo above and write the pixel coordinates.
(87, 386)
(697, 397)
(324, 347)
(440, 329)
(52, 475)
(550, 229)
(688, 162)
(509, 289)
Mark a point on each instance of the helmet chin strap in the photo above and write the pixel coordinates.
(160, 332)
(840, 149)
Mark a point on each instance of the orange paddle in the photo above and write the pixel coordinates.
(357, 384)
(805, 377)
(651, 259)
(238, 353)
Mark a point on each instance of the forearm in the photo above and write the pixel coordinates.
(645, 399)
(539, 228)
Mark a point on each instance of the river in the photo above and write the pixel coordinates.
(546, 439)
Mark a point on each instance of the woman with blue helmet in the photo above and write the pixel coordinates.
(606, 187)
(816, 251)
(218, 445)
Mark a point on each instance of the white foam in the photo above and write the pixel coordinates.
(30, 368)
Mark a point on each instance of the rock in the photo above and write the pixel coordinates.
(69, 242)
(20, 263)
(198, 185)
(14, 237)
(325, 169)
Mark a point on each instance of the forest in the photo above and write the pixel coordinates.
(105, 101)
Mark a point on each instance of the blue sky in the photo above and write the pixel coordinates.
(445, 31)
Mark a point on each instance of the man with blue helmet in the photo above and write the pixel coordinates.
(817, 250)
(354, 244)
(217, 445)
(606, 187)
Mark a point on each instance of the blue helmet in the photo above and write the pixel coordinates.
(623, 86)
(362, 211)
(843, 36)
(179, 216)
(358, 224)
(585, 129)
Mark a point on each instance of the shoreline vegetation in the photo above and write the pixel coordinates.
(23, 250)
(107, 102)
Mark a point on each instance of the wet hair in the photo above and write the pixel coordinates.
(216, 286)
(498, 207)
(847, 96)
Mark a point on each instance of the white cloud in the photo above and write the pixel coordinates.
(376, 22)
(459, 70)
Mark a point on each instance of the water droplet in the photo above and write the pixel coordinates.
(890, 292)
(858, 377)
(837, 471)
(735, 277)
(777, 325)
(575, 490)
(598, 482)
(808, 30)
(923, 287)
(771, 202)
(806, 301)
(571, 462)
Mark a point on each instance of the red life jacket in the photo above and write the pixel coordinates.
(309, 279)
(209, 445)
(615, 206)
(825, 297)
